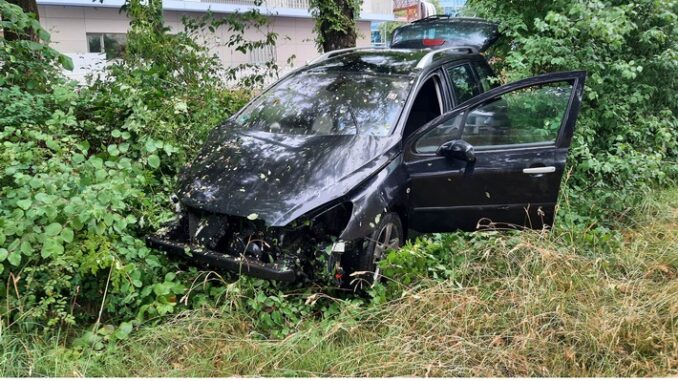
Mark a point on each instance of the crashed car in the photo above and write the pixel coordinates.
(333, 165)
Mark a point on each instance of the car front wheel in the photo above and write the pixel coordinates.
(362, 267)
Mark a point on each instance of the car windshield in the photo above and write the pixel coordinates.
(328, 103)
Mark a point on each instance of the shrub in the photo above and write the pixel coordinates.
(86, 172)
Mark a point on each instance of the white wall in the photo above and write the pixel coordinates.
(68, 26)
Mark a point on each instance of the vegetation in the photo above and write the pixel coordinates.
(626, 138)
(563, 304)
(85, 172)
(335, 23)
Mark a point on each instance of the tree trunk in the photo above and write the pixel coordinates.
(28, 6)
(339, 39)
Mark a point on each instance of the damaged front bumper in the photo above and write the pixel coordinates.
(243, 246)
(220, 261)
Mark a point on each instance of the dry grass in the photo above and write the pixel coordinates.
(538, 306)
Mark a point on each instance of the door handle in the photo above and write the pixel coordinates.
(539, 170)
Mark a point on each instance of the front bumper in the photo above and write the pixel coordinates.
(221, 261)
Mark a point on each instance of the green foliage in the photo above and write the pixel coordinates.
(32, 65)
(386, 29)
(86, 173)
(335, 23)
(626, 140)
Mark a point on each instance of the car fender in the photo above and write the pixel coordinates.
(383, 193)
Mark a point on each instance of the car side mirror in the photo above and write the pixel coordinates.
(457, 149)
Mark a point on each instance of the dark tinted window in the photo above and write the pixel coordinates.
(462, 82)
(457, 33)
(529, 115)
(113, 44)
(434, 138)
(485, 76)
(328, 103)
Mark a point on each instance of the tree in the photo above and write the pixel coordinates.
(335, 23)
(28, 6)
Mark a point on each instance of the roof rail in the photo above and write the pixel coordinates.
(431, 18)
(428, 58)
(334, 53)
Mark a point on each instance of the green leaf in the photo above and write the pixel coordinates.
(154, 161)
(150, 146)
(14, 258)
(66, 62)
(3, 254)
(26, 248)
(24, 204)
(51, 247)
(67, 235)
(113, 150)
(53, 229)
(161, 289)
(124, 330)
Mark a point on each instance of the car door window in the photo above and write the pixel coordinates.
(462, 82)
(427, 106)
(486, 77)
(531, 115)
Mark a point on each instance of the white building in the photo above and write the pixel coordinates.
(79, 27)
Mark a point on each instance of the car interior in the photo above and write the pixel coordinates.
(427, 106)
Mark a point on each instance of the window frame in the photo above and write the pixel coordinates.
(101, 36)
(445, 101)
(574, 78)
(450, 83)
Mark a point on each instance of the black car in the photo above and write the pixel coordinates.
(336, 162)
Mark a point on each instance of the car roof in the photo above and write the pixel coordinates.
(390, 61)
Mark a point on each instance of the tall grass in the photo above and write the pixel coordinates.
(532, 304)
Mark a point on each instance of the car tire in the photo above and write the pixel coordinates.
(360, 266)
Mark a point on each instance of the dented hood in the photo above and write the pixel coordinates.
(277, 177)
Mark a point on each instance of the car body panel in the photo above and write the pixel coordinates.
(278, 178)
(450, 194)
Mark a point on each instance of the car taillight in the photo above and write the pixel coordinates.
(433, 41)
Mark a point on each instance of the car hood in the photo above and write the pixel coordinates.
(276, 177)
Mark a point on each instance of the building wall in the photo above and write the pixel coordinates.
(69, 26)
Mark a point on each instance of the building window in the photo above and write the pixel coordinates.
(262, 55)
(113, 44)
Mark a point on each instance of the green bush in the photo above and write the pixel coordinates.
(86, 172)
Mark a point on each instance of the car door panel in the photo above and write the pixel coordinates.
(508, 185)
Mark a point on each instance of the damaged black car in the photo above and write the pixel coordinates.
(334, 164)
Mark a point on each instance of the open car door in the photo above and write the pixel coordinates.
(497, 159)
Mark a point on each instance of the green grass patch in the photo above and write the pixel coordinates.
(484, 304)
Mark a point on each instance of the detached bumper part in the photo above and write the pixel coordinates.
(238, 265)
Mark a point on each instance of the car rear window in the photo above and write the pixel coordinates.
(328, 103)
(456, 34)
